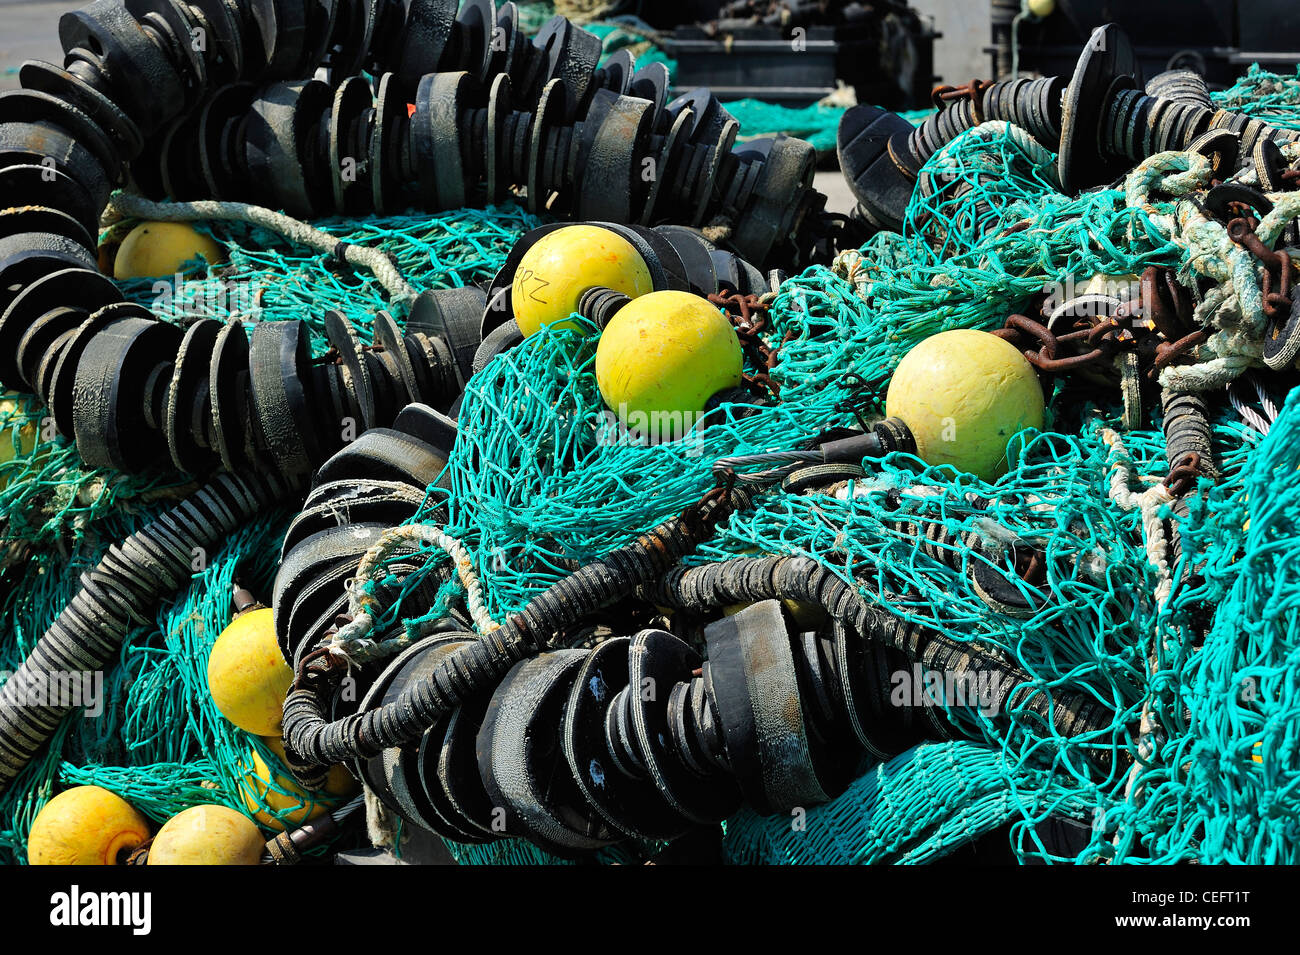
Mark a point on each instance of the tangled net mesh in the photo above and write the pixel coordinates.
(1269, 96)
(545, 478)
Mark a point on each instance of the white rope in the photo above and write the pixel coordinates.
(1234, 307)
(851, 266)
(1248, 414)
(128, 205)
(1265, 400)
(381, 822)
(1148, 502)
(352, 641)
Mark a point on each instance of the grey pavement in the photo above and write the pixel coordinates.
(29, 31)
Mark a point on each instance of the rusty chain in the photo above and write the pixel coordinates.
(1159, 323)
(748, 314)
(1277, 266)
(1183, 474)
(974, 91)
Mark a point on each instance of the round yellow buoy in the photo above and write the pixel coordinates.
(26, 434)
(247, 675)
(161, 248)
(208, 835)
(963, 394)
(260, 787)
(1042, 8)
(666, 352)
(562, 265)
(85, 825)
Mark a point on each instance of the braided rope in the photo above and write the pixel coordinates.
(1235, 304)
(128, 205)
(352, 641)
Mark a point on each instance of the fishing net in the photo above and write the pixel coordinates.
(545, 477)
(47, 496)
(1272, 97)
(532, 16)
(817, 123)
(155, 736)
(267, 278)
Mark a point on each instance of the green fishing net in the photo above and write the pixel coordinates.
(1272, 97)
(266, 278)
(544, 477)
(157, 738)
(818, 123)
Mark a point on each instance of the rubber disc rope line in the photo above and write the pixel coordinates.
(474, 668)
(119, 592)
(322, 744)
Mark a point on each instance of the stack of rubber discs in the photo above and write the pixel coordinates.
(583, 142)
(1100, 121)
(137, 95)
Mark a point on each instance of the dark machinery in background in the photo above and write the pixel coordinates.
(794, 52)
(1216, 38)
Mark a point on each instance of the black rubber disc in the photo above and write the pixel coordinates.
(658, 661)
(228, 395)
(109, 398)
(633, 806)
(64, 374)
(278, 358)
(24, 184)
(74, 288)
(385, 455)
(756, 692)
(187, 418)
(520, 760)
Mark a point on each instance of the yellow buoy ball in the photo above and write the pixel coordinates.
(208, 835)
(278, 791)
(562, 265)
(161, 248)
(86, 825)
(10, 410)
(247, 675)
(666, 352)
(963, 394)
(1042, 8)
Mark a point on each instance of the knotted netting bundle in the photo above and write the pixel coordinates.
(1272, 97)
